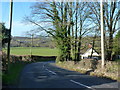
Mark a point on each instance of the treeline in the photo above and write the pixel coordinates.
(37, 42)
(69, 22)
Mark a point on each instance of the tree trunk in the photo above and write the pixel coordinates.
(76, 17)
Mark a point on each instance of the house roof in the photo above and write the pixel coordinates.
(89, 49)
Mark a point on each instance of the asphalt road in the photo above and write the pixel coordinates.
(45, 75)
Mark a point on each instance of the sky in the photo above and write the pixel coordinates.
(20, 10)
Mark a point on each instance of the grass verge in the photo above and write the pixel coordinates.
(15, 69)
(12, 77)
(110, 71)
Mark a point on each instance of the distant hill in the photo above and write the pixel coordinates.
(37, 42)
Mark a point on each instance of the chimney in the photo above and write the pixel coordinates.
(89, 45)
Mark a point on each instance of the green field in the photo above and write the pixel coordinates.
(35, 51)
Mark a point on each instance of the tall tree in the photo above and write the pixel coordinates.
(116, 45)
(66, 22)
(83, 22)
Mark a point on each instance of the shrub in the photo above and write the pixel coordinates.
(110, 70)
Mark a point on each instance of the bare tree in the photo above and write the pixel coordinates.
(68, 23)
(111, 16)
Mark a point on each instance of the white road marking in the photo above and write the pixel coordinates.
(51, 71)
(43, 66)
(81, 84)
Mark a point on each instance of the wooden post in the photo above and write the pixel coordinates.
(10, 22)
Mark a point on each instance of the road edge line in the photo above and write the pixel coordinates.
(51, 71)
(81, 84)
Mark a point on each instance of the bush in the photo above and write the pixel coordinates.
(88, 64)
(110, 70)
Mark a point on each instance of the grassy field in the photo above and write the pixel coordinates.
(35, 51)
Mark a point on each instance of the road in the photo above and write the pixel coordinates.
(46, 75)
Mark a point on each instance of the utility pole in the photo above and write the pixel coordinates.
(102, 34)
(10, 23)
(31, 44)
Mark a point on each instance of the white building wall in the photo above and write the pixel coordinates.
(88, 53)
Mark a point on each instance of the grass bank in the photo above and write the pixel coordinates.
(93, 68)
(12, 77)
